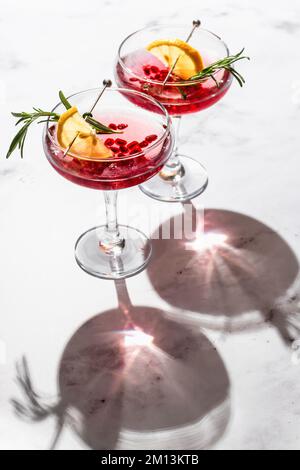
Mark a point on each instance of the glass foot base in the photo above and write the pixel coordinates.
(132, 259)
(191, 184)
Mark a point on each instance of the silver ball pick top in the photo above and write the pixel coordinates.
(106, 84)
(196, 24)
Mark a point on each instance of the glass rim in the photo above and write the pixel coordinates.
(155, 82)
(114, 159)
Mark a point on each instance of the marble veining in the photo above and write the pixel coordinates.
(288, 26)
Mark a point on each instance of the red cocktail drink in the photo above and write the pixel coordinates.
(138, 153)
(138, 146)
(143, 72)
(185, 78)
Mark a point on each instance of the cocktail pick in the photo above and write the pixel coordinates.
(196, 24)
(106, 84)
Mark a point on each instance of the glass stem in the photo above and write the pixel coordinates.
(173, 171)
(111, 243)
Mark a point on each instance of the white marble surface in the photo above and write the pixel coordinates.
(223, 374)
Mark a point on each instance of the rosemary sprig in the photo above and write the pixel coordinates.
(64, 100)
(182, 92)
(27, 119)
(100, 128)
(223, 64)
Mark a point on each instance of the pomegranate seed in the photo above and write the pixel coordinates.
(114, 149)
(135, 149)
(144, 144)
(122, 126)
(113, 126)
(123, 149)
(132, 144)
(154, 69)
(151, 138)
(121, 141)
(120, 154)
(109, 142)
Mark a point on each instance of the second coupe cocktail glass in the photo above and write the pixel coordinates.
(114, 251)
(182, 178)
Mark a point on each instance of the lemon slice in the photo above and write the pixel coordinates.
(86, 145)
(169, 50)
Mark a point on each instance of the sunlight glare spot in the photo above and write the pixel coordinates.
(137, 338)
(208, 241)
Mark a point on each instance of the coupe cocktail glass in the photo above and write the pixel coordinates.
(182, 178)
(114, 251)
